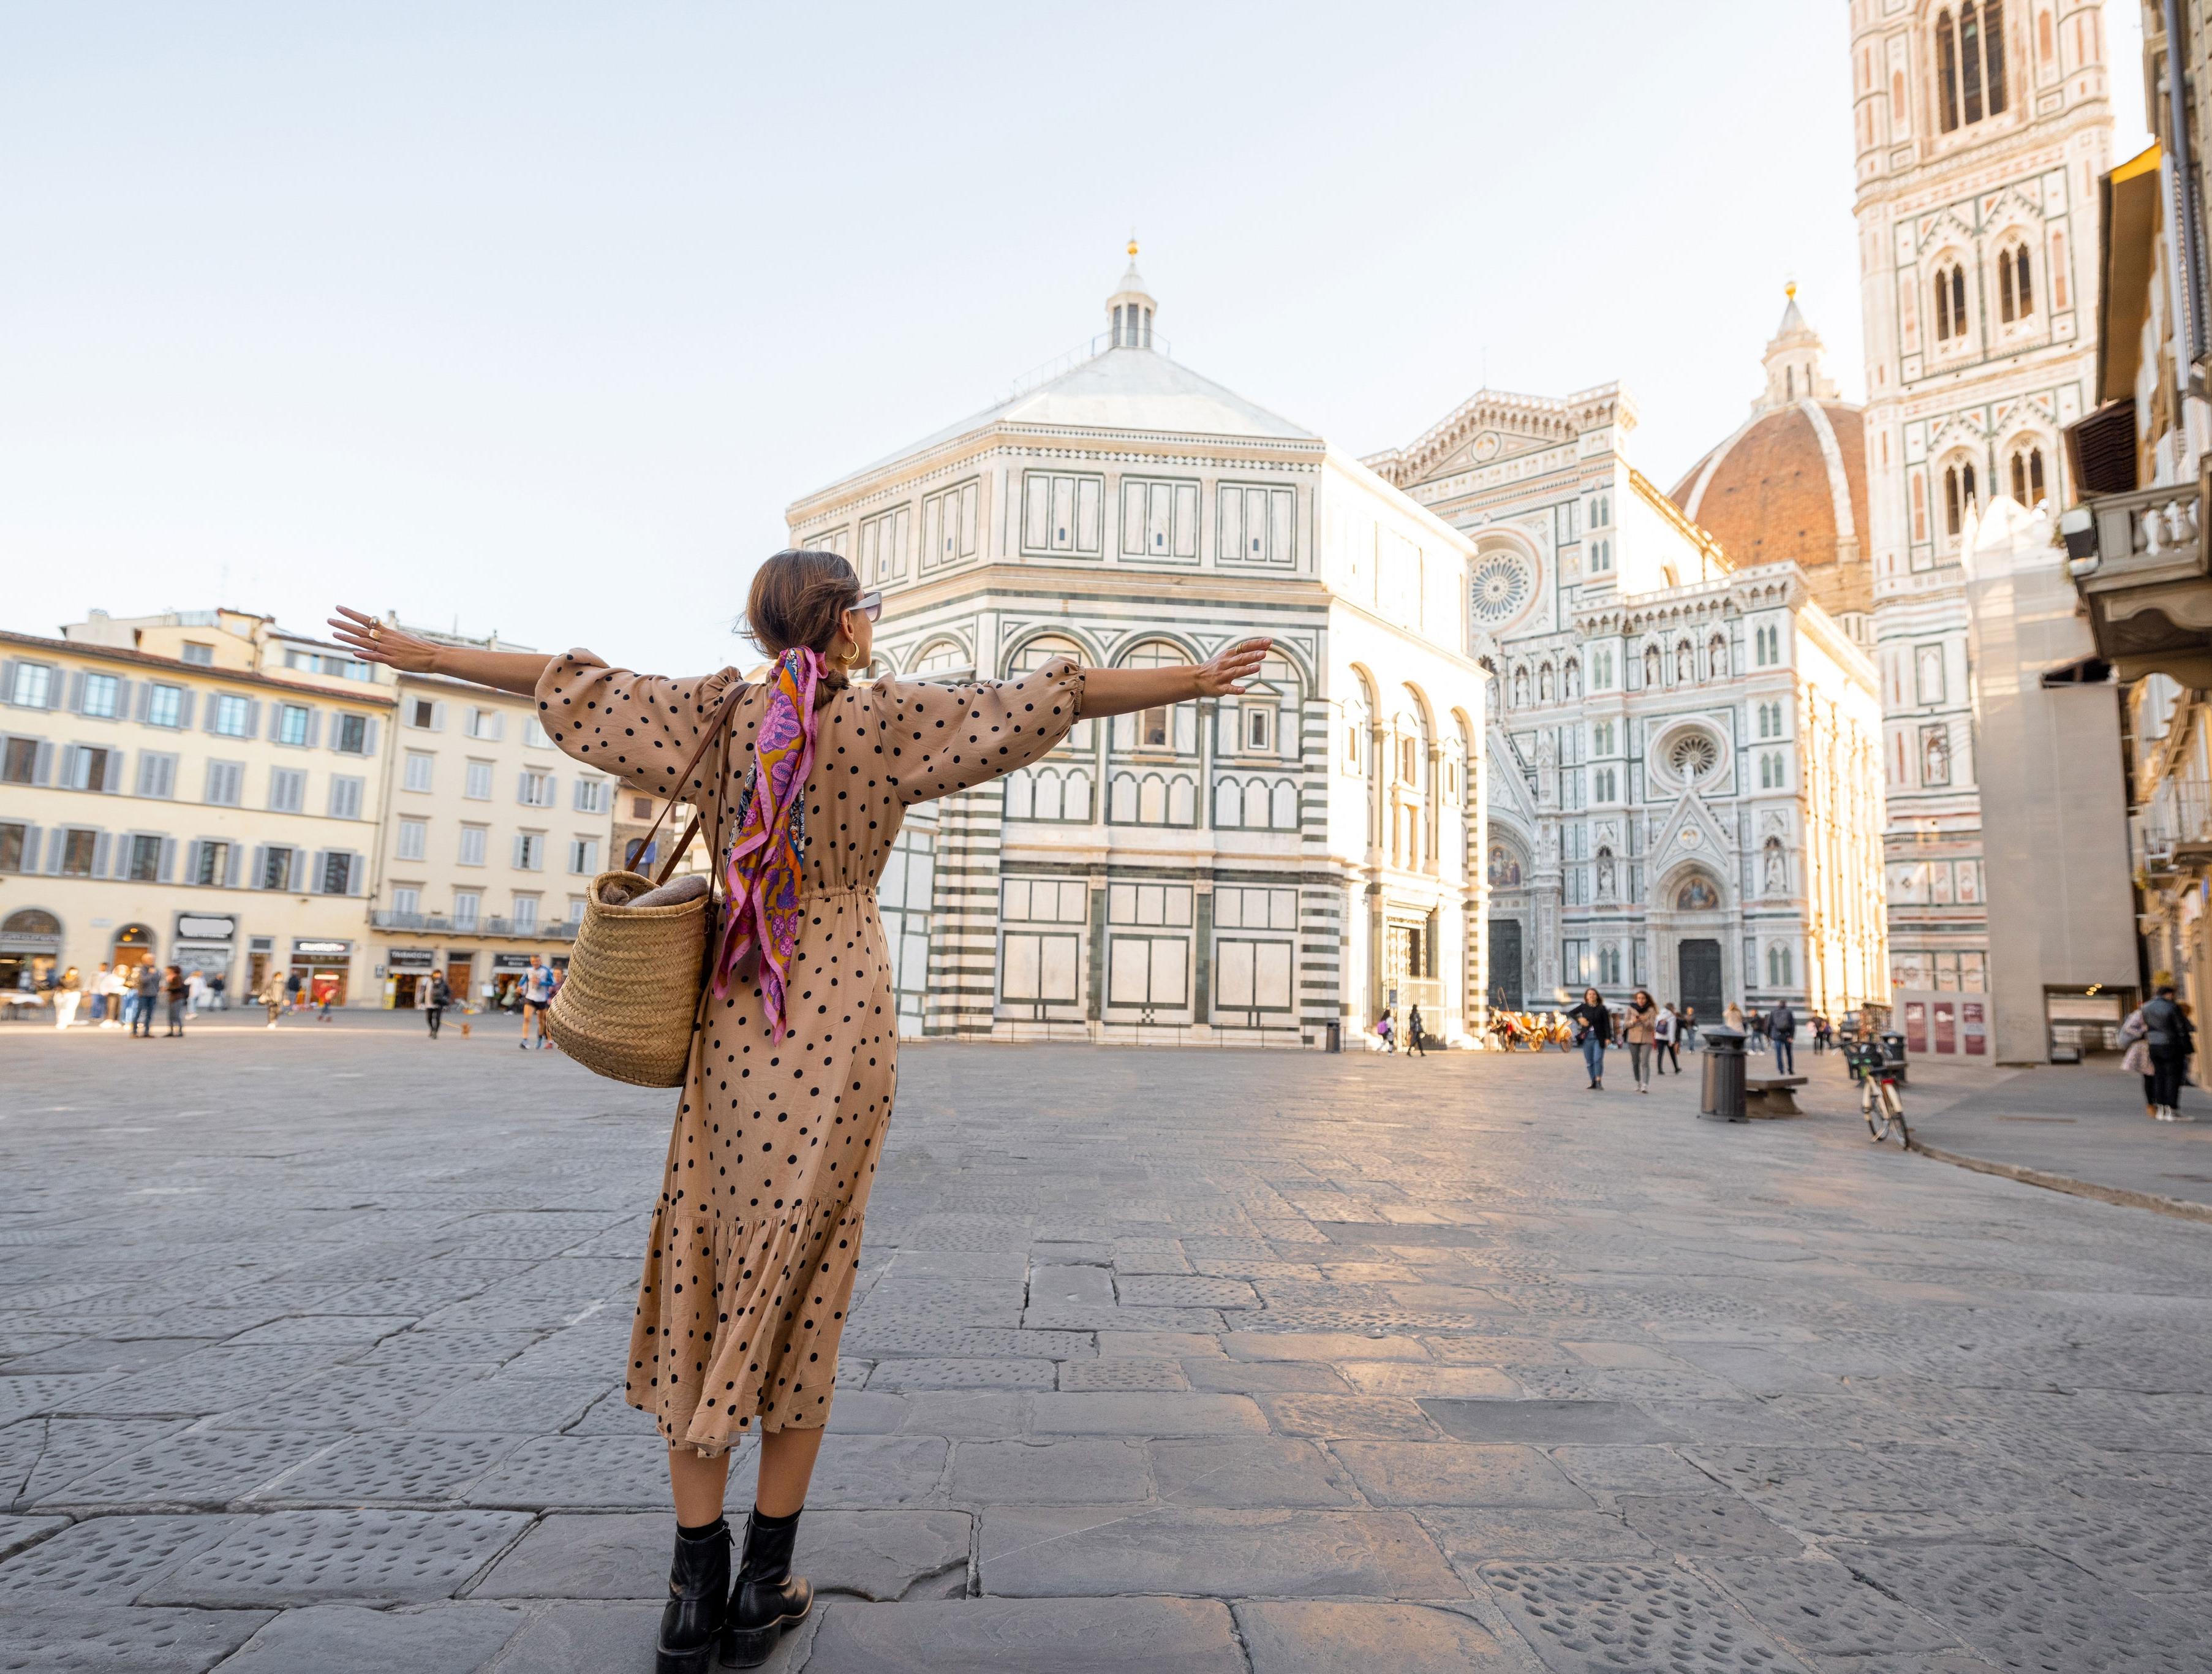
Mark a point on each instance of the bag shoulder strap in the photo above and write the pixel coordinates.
(684, 780)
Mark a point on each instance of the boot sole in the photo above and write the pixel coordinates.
(699, 1660)
(748, 1647)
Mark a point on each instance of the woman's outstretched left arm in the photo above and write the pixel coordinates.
(386, 642)
(1124, 690)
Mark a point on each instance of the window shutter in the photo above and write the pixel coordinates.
(7, 680)
(192, 861)
(42, 763)
(230, 868)
(356, 875)
(112, 780)
(254, 717)
(314, 729)
(438, 717)
(518, 851)
(145, 700)
(185, 710)
(56, 850)
(69, 753)
(123, 690)
(168, 859)
(369, 737)
(30, 849)
(214, 709)
(76, 691)
(102, 845)
(315, 878)
(260, 864)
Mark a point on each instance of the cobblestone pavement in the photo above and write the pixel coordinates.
(309, 1344)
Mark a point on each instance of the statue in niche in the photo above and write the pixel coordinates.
(1935, 752)
(1543, 684)
(1521, 688)
(1573, 681)
(1605, 874)
(1698, 895)
(1650, 665)
(1718, 658)
(1778, 868)
(1685, 666)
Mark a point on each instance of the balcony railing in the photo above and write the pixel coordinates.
(2139, 561)
(437, 923)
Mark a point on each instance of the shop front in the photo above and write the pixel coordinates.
(322, 967)
(134, 945)
(404, 970)
(30, 946)
(503, 992)
(206, 942)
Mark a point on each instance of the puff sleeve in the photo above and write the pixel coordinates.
(943, 738)
(639, 728)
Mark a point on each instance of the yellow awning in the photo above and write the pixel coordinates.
(2127, 239)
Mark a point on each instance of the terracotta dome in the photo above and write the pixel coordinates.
(1790, 486)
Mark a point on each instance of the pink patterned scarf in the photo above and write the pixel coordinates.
(762, 866)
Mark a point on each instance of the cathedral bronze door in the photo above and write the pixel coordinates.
(1506, 964)
(1699, 965)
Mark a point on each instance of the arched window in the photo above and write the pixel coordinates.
(1957, 495)
(1358, 727)
(1970, 64)
(2027, 476)
(2015, 288)
(1950, 302)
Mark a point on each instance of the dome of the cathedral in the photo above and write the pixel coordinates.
(1791, 484)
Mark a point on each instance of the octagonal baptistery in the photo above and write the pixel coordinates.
(1270, 869)
(1791, 484)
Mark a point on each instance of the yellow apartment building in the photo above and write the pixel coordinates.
(197, 788)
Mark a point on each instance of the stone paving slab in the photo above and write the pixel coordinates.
(42, 1639)
(1527, 1384)
(324, 1639)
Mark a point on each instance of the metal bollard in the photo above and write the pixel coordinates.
(1724, 1081)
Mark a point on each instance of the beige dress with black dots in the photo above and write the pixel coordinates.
(757, 1232)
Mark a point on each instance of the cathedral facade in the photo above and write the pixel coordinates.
(1981, 131)
(1684, 788)
(1271, 869)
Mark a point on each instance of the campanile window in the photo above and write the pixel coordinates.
(1970, 64)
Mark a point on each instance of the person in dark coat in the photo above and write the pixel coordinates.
(1594, 1029)
(2171, 1038)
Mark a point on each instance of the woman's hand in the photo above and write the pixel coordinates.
(1224, 675)
(380, 641)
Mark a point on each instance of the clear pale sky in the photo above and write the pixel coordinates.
(535, 316)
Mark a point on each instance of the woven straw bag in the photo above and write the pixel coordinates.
(637, 976)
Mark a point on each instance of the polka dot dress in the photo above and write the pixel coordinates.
(756, 1236)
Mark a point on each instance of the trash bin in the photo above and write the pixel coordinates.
(1334, 1041)
(1723, 1083)
(1893, 1050)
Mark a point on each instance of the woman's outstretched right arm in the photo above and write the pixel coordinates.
(386, 642)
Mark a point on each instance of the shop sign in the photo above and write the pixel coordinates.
(510, 961)
(410, 959)
(208, 960)
(1973, 1018)
(207, 926)
(322, 950)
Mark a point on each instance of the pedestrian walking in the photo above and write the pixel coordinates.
(1686, 1028)
(1413, 1033)
(292, 984)
(2171, 1038)
(146, 985)
(1386, 1031)
(1593, 1027)
(1733, 1016)
(96, 989)
(1782, 1030)
(176, 990)
(1642, 1031)
(69, 994)
(2135, 1059)
(720, 1252)
(432, 994)
(1666, 1037)
(272, 997)
(1755, 1026)
(536, 1000)
(218, 994)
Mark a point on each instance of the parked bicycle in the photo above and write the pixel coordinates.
(1880, 1102)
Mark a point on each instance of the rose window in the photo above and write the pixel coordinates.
(1693, 756)
(1501, 586)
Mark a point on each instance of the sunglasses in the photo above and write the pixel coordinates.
(871, 606)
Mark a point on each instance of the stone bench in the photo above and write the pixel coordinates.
(1771, 1095)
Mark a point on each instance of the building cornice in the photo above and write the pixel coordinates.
(371, 697)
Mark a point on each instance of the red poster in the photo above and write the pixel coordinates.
(1975, 1018)
(1916, 1026)
(1947, 1026)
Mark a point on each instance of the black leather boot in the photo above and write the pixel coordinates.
(769, 1599)
(698, 1604)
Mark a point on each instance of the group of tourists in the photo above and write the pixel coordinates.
(1655, 1035)
(130, 996)
(1417, 1037)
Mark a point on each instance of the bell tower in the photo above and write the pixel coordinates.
(1981, 128)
